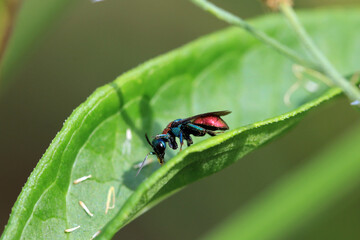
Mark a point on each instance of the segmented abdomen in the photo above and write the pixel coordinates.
(211, 122)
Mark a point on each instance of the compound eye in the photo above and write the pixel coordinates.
(162, 145)
(159, 146)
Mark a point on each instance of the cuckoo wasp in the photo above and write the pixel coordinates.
(199, 125)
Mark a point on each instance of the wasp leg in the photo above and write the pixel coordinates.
(188, 139)
(172, 142)
(211, 133)
(181, 140)
(197, 130)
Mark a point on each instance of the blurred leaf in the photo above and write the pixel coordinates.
(298, 197)
(33, 18)
(228, 70)
(8, 10)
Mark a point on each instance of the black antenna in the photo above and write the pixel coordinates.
(147, 139)
(150, 153)
(143, 163)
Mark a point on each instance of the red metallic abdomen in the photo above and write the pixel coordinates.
(212, 121)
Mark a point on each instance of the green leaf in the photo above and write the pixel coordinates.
(228, 70)
(297, 198)
(33, 18)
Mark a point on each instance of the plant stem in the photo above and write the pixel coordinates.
(237, 21)
(350, 90)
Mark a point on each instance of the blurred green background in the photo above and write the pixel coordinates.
(89, 46)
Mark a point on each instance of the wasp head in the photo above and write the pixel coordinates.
(158, 144)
